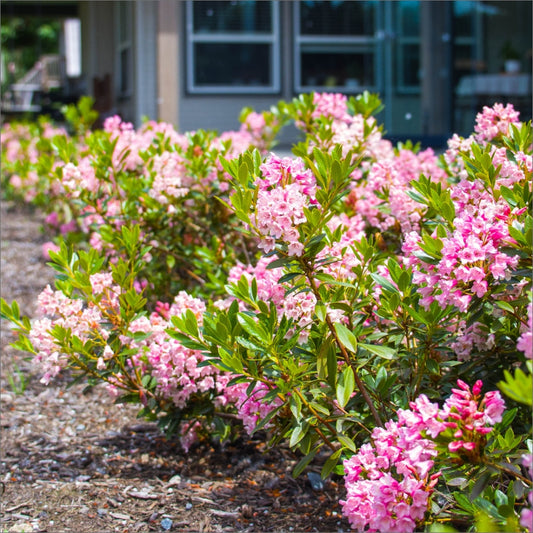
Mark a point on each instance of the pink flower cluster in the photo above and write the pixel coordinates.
(468, 417)
(170, 180)
(470, 337)
(491, 124)
(331, 105)
(350, 131)
(261, 130)
(284, 190)
(389, 481)
(525, 341)
(85, 322)
(18, 143)
(79, 178)
(174, 366)
(251, 408)
(472, 253)
(129, 142)
(342, 258)
(298, 306)
(22, 145)
(393, 176)
(363, 135)
(494, 121)
(301, 308)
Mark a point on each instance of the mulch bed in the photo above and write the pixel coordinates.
(71, 461)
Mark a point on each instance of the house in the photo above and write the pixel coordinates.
(195, 64)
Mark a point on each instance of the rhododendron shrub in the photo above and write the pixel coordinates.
(23, 143)
(414, 271)
(31, 150)
(334, 299)
(95, 325)
(167, 183)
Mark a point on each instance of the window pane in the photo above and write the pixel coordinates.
(125, 69)
(232, 17)
(410, 65)
(464, 53)
(323, 67)
(410, 18)
(337, 18)
(240, 64)
(463, 18)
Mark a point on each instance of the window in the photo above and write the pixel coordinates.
(335, 46)
(72, 32)
(232, 47)
(408, 46)
(467, 49)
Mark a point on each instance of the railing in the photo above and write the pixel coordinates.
(48, 73)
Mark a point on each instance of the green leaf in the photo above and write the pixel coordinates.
(481, 484)
(347, 442)
(382, 351)
(345, 386)
(171, 261)
(463, 502)
(437, 527)
(346, 337)
(252, 327)
(298, 433)
(457, 482)
(322, 358)
(320, 408)
(506, 306)
(295, 405)
(244, 172)
(517, 387)
(384, 283)
(500, 498)
(264, 421)
(330, 463)
(185, 340)
(303, 462)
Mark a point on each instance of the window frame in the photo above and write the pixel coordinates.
(124, 44)
(273, 39)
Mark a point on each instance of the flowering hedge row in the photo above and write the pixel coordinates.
(362, 302)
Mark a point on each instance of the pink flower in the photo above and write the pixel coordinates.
(49, 247)
(52, 219)
(389, 481)
(285, 189)
(494, 121)
(494, 406)
(525, 341)
(69, 227)
(251, 408)
(332, 105)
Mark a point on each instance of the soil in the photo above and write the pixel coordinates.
(77, 462)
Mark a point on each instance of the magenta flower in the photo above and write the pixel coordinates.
(389, 481)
